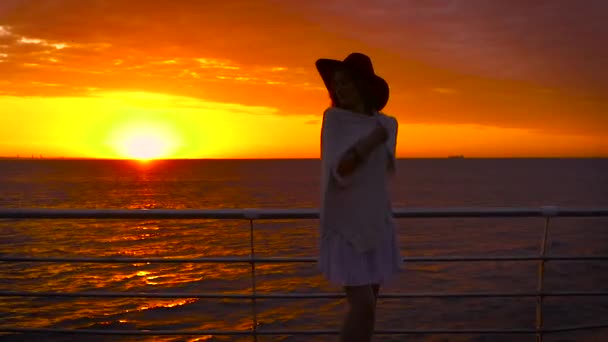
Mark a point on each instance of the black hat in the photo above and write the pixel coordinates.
(361, 65)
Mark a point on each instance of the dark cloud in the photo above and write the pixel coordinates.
(556, 42)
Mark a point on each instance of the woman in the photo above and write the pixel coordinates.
(358, 248)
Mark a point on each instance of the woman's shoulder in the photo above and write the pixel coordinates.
(388, 118)
(336, 113)
(329, 110)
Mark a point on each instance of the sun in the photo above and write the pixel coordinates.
(144, 141)
(145, 147)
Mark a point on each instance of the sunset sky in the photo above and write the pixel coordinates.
(236, 78)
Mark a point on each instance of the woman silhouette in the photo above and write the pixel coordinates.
(358, 248)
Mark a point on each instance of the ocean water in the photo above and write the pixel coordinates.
(295, 184)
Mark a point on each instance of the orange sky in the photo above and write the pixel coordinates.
(236, 79)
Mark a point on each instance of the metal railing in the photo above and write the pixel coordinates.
(546, 212)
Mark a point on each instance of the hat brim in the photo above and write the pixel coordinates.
(327, 67)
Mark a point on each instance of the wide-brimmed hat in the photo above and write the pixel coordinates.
(361, 65)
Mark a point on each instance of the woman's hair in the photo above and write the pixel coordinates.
(363, 87)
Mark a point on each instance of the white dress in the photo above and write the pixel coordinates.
(343, 265)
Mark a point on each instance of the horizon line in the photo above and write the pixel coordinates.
(285, 158)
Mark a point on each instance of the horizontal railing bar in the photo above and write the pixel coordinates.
(104, 294)
(576, 328)
(296, 332)
(259, 332)
(308, 213)
(287, 260)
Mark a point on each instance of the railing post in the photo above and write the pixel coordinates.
(539, 287)
(254, 311)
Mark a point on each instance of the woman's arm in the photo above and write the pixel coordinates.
(392, 126)
(360, 150)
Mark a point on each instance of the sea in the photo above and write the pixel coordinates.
(237, 184)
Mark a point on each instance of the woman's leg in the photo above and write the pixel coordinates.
(376, 288)
(359, 323)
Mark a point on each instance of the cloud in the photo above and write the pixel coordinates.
(556, 43)
(445, 90)
(4, 31)
(509, 63)
(57, 46)
(167, 49)
(217, 64)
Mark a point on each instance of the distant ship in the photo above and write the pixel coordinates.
(460, 156)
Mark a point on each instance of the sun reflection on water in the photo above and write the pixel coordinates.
(170, 304)
(201, 338)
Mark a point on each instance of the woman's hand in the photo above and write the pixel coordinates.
(380, 132)
(365, 146)
(361, 149)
